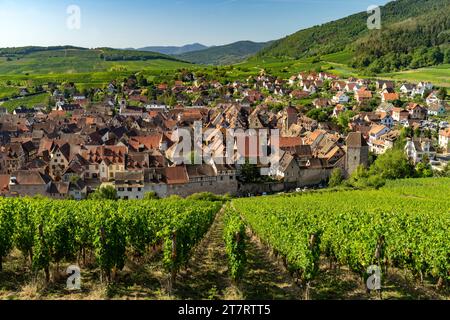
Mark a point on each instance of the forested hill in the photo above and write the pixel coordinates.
(411, 43)
(224, 55)
(409, 28)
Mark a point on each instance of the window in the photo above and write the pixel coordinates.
(139, 189)
(221, 178)
(231, 178)
(121, 189)
(129, 189)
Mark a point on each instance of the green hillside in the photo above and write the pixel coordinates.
(409, 27)
(68, 60)
(224, 55)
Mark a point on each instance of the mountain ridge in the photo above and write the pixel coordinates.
(174, 50)
(351, 34)
(226, 54)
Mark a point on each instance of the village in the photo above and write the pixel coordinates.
(123, 135)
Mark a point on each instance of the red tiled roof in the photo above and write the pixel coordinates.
(288, 142)
(176, 175)
(150, 142)
(390, 96)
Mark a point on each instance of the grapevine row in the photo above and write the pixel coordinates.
(49, 231)
(235, 243)
(404, 225)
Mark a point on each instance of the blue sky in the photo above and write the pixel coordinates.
(138, 23)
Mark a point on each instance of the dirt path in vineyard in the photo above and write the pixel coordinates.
(207, 274)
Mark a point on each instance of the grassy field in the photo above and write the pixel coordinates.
(78, 61)
(31, 101)
(439, 75)
(7, 90)
(85, 68)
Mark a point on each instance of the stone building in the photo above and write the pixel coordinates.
(357, 152)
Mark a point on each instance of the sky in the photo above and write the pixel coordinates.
(140, 23)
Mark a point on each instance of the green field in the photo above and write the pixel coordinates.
(438, 75)
(31, 101)
(83, 61)
(87, 70)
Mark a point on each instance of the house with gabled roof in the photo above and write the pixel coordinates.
(419, 149)
(444, 140)
(29, 183)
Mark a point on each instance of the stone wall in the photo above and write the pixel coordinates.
(217, 187)
(307, 178)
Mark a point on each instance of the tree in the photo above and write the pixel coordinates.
(249, 173)
(442, 93)
(104, 193)
(424, 170)
(394, 164)
(336, 178)
(151, 196)
(344, 119)
(318, 115)
(359, 178)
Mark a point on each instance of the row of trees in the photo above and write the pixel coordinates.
(391, 165)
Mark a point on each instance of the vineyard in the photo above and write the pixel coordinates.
(405, 225)
(50, 232)
(314, 245)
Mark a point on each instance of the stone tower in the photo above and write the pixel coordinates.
(357, 152)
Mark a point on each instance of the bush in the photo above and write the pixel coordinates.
(208, 196)
(336, 178)
(151, 196)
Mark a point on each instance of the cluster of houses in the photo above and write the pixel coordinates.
(128, 141)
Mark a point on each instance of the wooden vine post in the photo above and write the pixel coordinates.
(173, 257)
(46, 268)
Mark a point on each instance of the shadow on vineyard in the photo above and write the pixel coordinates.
(264, 278)
(207, 274)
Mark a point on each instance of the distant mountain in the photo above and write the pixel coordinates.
(171, 50)
(414, 33)
(224, 55)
